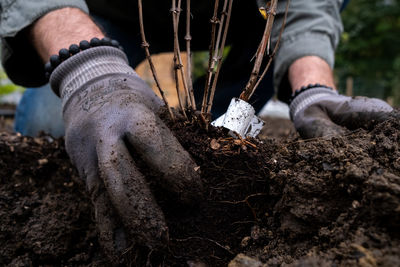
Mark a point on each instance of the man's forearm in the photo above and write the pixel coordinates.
(310, 70)
(61, 28)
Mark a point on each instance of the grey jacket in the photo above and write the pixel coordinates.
(313, 28)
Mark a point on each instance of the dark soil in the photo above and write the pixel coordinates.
(281, 201)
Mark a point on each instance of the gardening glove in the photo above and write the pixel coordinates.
(111, 126)
(320, 111)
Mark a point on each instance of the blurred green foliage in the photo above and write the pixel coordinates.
(200, 62)
(370, 48)
(6, 86)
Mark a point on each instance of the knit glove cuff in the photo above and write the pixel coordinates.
(309, 97)
(85, 66)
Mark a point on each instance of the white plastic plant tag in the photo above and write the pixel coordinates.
(240, 118)
(255, 126)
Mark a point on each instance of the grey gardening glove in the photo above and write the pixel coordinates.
(321, 112)
(111, 124)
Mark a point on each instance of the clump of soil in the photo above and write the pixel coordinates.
(283, 200)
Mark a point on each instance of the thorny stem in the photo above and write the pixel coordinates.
(275, 48)
(178, 89)
(146, 45)
(214, 58)
(249, 89)
(221, 50)
(221, 23)
(176, 10)
(214, 22)
(178, 93)
(188, 39)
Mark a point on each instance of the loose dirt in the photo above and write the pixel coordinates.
(7, 112)
(282, 200)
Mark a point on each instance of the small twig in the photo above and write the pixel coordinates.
(214, 22)
(188, 39)
(245, 95)
(176, 10)
(221, 51)
(207, 239)
(243, 222)
(146, 45)
(148, 262)
(246, 142)
(275, 50)
(249, 143)
(127, 250)
(246, 200)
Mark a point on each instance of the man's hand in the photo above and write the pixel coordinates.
(321, 112)
(111, 125)
(110, 121)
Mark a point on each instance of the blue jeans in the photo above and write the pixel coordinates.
(39, 110)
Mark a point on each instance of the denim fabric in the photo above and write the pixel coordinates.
(39, 110)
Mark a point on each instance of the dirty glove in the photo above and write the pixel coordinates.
(111, 125)
(321, 112)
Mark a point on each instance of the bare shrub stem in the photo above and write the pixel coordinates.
(219, 51)
(146, 45)
(214, 22)
(254, 76)
(188, 39)
(176, 10)
(275, 49)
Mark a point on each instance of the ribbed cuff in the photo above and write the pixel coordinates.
(308, 98)
(87, 65)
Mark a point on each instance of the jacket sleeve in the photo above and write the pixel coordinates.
(313, 28)
(19, 59)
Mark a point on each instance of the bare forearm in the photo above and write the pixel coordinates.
(310, 70)
(61, 28)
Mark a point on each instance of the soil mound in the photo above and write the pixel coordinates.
(281, 201)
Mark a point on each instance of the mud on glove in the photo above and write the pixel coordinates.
(110, 116)
(321, 112)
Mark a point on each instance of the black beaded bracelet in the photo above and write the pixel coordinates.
(74, 49)
(305, 88)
